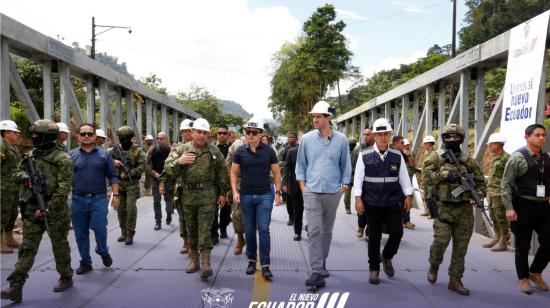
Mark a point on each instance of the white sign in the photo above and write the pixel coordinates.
(523, 75)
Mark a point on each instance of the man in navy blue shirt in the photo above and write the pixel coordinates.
(255, 160)
(89, 209)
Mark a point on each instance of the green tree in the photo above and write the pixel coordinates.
(154, 83)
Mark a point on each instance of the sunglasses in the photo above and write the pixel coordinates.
(453, 136)
(252, 132)
(86, 134)
(222, 133)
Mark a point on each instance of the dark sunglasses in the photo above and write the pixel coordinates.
(222, 133)
(453, 136)
(86, 134)
(252, 132)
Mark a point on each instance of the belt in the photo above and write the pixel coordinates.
(89, 195)
(196, 186)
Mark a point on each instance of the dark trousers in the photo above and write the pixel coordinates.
(532, 216)
(296, 203)
(157, 197)
(405, 216)
(377, 216)
(290, 207)
(362, 221)
(224, 215)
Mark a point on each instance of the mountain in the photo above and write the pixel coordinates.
(234, 108)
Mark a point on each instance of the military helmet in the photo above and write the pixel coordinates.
(453, 128)
(44, 126)
(125, 131)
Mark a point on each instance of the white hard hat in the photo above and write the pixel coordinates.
(100, 133)
(496, 138)
(201, 124)
(149, 137)
(186, 124)
(321, 107)
(63, 128)
(381, 125)
(9, 125)
(255, 123)
(406, 141)
(428, 139)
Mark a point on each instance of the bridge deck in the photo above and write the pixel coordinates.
(151, 272)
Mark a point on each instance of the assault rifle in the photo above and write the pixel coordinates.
(118, 154)
(36, 191)
(467, 184)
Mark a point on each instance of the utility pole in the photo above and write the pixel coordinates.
(453, 45)
(92, 51)
(339, 97)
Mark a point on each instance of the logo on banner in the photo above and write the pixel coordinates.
(217, 298)
(307, 300)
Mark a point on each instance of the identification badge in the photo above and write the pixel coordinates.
(541, 191)
(393, 167)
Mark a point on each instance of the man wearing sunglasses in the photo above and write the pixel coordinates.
(89, 206)
(225, 212)
(323, 169)
(254, 161)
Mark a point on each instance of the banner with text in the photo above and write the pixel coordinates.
(523, 76)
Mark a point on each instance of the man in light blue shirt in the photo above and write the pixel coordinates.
(323, 169)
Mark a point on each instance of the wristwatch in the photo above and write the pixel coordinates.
(278, 192)
(115, 195)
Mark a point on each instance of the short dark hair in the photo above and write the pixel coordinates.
(396, 138)
(86, 124)
(223, 126)
(293, 133)
(531, 128)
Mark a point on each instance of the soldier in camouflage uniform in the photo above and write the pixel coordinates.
(9, 190)
(347, 195)
(497, 210)
(129, 183)
(428, 143)
(200, 169)
(56, 168)
(146, 147)
(63, 136)
(455, 214)
(236, 213)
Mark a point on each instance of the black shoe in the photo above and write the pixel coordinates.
(324, 272)
(169, 219)
(297, 237)
(316, 280)
(157, 226)
(387, 266)
(223, 233)
(83, 269)
(266, 273)
(289, 222)
(107, 260)
(251, 268)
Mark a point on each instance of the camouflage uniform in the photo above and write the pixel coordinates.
(455, 214)
(427, 189)
(497, 210)
(236, 213)
(147, 170)
(200, 181)
(9, 190)
(57, 168)
(347, 195)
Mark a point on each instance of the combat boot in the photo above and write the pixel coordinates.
(387, 266)
(525, 286)
(13, 294)
(502, 244)
(11, 241)
(374, 277)
(63, 284)
(130, 237)
(185, 248)
(4, 248)
(456, 285)
(240, 244)
(206, 270)
(432, 273)
(493, 242)
(122, 237)
(194, 263)
(538, 281)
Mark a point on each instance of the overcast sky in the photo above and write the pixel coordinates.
(226, 46)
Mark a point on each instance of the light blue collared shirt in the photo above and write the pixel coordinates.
(323, 165)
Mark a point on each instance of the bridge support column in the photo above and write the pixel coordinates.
(139, 119)
(416, 103)
(404, 115)
(47, 83)
(118, 107)
(464, 102)
(148, 117)
(387, 110)
(354, 127)
(90, 100)
(129, 99)
(175, 126)
(429, 109)
(104, 107)
(479, 105)
(64, 84)
(396, 119)
(164, 119)
(363, 124)
(4, 80)
(154, 114)
(441, 111)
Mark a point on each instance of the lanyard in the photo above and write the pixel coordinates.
(540, 162)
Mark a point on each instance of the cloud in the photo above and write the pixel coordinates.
(413, 7)
(346, 14)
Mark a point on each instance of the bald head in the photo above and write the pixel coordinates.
(162, 139)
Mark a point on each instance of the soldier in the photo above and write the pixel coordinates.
(428, 143)
(56, 169)
(63, 136)
(236, 213)
(129, 183)
(186, 128)
(292, 141)
(201, 171)
(225, 212)
(347, 196)
(9, 190)
(497, 210)
(455, 218)
(148, 145)
(368, 140)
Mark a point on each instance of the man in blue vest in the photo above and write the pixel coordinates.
(381, 185)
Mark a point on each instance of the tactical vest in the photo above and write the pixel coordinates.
(202, 170)
(527, 184)
(445, 188)
(48, 165)
(381, 183)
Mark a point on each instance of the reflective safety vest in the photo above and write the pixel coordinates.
(381, 183)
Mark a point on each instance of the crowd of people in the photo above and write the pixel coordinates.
(212, 182)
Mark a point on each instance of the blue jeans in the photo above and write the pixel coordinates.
(90, 213)
(257, 212)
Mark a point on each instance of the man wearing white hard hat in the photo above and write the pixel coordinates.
(497, 211)
(323, 169)
(100, 137)
(381, 187)
(63, 136)
(9, 190)
(428, 143)
(147, 182)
